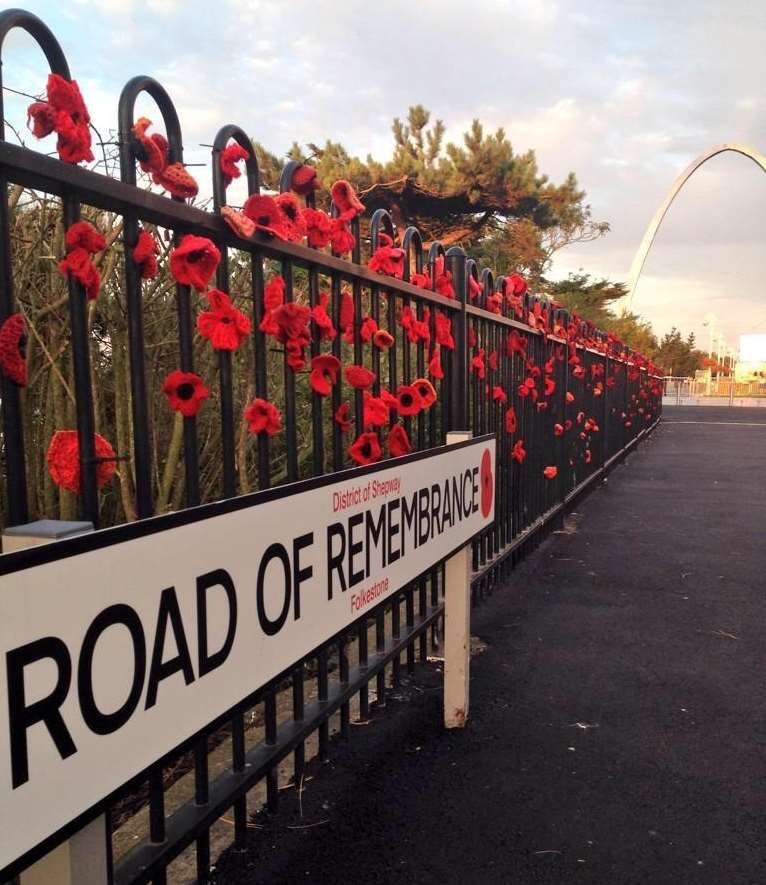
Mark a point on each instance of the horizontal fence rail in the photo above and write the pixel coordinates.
(564, 401)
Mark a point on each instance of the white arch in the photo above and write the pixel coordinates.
(651, 231)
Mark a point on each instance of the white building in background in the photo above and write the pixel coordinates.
(751, 365)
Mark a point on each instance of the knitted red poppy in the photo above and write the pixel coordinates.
(63, 459)
(341, 418)
(550, 386)
(570, 396)
(318, 227)
(510, 420)
(229, 157)
(443, 279)
(499, 395)
(292, 217)
(367, 329)
(324, 373)
(444, 330)
(304, 180)
(239, 222)
(417, 330)
(153, 155)
(265, 213)
(145, 255)
(193, 261)
(383, 339)
(366, 448)
(359, 377)
(82, 240)
(398, 442)
(322, 319)
(435, 369)
(477, 364)
(387, 258)
(65, 114)
(426, 392)
(550, 472)
(408, 402)
(517, 283)
(376, 409)
(13, 339)
(558, 429)
(185, 392)
(291, 321)
(224, 326)
(516, 343)
(274, 293)
(475, 288)
(587, 456)
(518, 453)
(347, 315)
(263, 417)
(342, 241)
(346, 201)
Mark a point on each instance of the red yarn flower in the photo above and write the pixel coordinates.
(145, 255)
(570, 396)
(63, 459)
(266, 215)
(82, 235)
(239, 222)
(193, 261)
(318, 227)
(435, 369)
(477, 364)
(426, 392)
(341, 418)
(518, 452)
(516, 343)
(65, 114)
(153, 155)
(359, 377)
(510, 420)
(444, 330)
(492, 361)
(550, 386)
(587, 456)
(304, 180)
(342, 241)
(499, 395)
(324, 373)
(366, 448)
(225, 326)
(346, 201)
(346, 317)
(322, 319)
(263, 417)
(13, 339)
(398, 442)
(475, 288)
(228, 159)
(443, 279)
(517, 283)
(367, 329)
(550, 472)
(383, 339)
(376, 409)
(408, 402)
(558, 429)
(387, 258)
(487, 483)
(82, 240)
(185, 392)
(294, 222)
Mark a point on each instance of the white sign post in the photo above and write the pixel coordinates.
(119, 646)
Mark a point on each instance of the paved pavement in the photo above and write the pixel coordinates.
(618, 718)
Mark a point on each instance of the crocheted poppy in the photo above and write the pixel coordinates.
(598, 388)
(82, 240)
(472, 339)
(516, 343)
(82, 235)
(587, 456)
(13, 339)
(408, 402)
(265, 213)
(517, 283)
(578, 372)
(366, 448)
(185, 392)
(63, 459)
(550, 472)
(499, 395)
(558, 429)
(193, 261)
(228, 159)
(65, 114)
(324, 373)
(342, 241)
(359, 377)
(177, 181)
(387, 258)
(274, 293)
(487, 481)
(341, 418)
(518, 452)
(318, 227)
(346, 201)
(153, 155)
(426, 392)
(398, 442)
(367, 329)
(293, 220)
(263, 417)
(417, 330)
(304, 180)
(239, 222)
(477, 364)
(435, 369)
(346, 317)
(443, 279)
(376, 409)
(444, 330)
(383, 339)
(474, 288)
(322, 319)
(224, 326)
(492, 361)
(550, 386)
(510, 420)
(292, 319)
(145, 255)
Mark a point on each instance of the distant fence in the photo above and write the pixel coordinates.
(720, 391)
(463, 350)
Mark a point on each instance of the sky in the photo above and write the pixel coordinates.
(625, 94)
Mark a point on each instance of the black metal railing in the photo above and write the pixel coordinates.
(590, 400)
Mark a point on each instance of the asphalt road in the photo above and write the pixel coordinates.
(618, 716)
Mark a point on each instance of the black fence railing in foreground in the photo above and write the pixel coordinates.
(564, 400)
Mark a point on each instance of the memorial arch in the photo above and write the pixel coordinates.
(654, 224)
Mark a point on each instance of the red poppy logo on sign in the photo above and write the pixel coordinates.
(487, 483)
